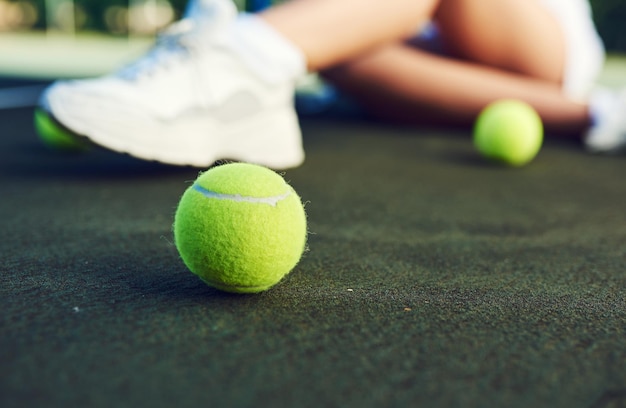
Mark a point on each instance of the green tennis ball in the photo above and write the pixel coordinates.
(55, 137)
(240, 228)
(508, 131)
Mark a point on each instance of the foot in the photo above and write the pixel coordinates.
(195, 98)
(608, 132)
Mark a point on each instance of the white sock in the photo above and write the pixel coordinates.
(272, 56)
(601, 100)
(607, 128)
(211, 12)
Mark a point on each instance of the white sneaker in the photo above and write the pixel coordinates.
(608, 132)
(195, 98)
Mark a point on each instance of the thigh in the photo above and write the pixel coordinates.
(520, 36)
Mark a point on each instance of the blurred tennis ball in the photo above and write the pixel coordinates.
(508, 131)
(55, 137)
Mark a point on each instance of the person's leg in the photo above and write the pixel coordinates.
(502, 49)
(329, 32)
(405, 85)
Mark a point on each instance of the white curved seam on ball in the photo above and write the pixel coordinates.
(273, 201)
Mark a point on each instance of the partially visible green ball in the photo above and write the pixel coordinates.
(55, 137)
(509, 131)
(240, 228)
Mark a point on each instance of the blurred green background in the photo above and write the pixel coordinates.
(144, 17)
(117, 17)
(610, 16)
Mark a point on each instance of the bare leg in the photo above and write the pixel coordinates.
(502, 49)
(410, 86)
(334, 31)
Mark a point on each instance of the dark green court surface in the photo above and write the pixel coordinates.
(432, 279)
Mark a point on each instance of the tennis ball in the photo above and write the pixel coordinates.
(56, 137)
(508, 131)
(240, 228)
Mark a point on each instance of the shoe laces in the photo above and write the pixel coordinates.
(171, 46)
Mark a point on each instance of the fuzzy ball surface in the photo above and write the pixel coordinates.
(509, 131)
(240, 228)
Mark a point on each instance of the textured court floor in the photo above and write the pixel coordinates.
(432, 279)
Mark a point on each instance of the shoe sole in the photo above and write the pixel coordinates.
(272, 140)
